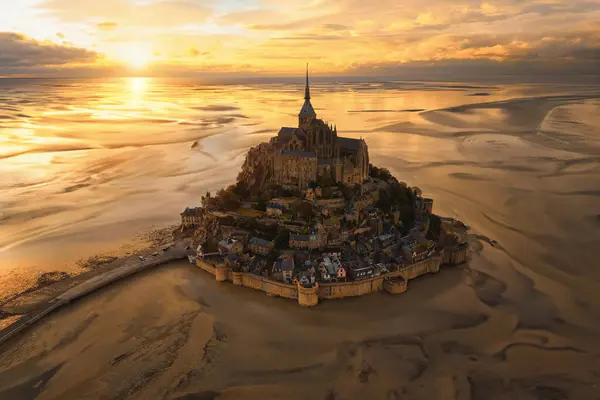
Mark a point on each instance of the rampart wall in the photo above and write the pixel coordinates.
(394, 282)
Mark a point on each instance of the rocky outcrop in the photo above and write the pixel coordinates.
(254, 171)
(209, 230)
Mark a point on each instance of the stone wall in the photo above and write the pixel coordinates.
(455, 255)
(395, 286)
(395, 282)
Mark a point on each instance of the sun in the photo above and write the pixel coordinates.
(135, 55)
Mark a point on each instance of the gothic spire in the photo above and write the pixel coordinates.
(307, 89)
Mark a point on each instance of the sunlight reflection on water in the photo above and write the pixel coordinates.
(85, 164)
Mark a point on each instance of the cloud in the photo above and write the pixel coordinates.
(107, 26)
(335, 27)
(193, 52)
(125, 12)
(60, 35)
(18, 54)
(339, 36)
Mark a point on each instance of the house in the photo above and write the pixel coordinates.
(360, 271)
(331, 264)
(191, 217)
(276, 271)
(274, 209)
(300, 241)
(386, 240)
(304, 278)
(260, 246)
(233, 261)
(417, 252)
(287, 268)
(229, 245)
(341, 273)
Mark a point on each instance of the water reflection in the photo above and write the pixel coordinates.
(138, 86)
(110, 158)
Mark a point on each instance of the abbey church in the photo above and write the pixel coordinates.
(312, 152)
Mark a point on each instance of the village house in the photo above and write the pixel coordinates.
(192, 217)
(302, 241)
(416, 252)
(359, 271)
(229, 245)
(260, 246)
(287, 268)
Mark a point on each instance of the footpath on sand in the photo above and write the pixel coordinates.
(130, 266)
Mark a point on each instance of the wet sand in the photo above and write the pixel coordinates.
(174, 332)
(519, 166)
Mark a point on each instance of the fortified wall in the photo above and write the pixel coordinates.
(394, 283)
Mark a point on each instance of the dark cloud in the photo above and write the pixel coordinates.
(19, 53)
(483, 70)
(107, 26)
(574, 7)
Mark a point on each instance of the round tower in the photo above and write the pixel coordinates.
(308, 296)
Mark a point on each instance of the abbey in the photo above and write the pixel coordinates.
(312, 152)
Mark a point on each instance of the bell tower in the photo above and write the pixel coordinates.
(307, 112)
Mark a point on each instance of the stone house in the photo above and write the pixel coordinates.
(260, 246)
(192, 217)
(287, 268)
(229, 245)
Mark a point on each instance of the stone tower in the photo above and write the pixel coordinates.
(307, 112)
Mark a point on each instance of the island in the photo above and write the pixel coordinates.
(310, 218)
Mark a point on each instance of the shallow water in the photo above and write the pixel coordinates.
(85, 165)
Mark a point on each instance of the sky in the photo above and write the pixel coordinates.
(403, 38)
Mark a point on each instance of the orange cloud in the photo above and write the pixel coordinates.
(107, 26)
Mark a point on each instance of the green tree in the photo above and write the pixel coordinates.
(261, 205)
(282, 239)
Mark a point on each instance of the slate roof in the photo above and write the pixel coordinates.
(307, 110)
(286, 131)
(302, 238)
(349, 143)
(260, 242)
(188, 212)
(287, 264)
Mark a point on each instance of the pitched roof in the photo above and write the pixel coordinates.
(349, 143)
(260, 242)
(287, 264)
(188, 212)
(286, 131)
(307, 109)
(303, 238)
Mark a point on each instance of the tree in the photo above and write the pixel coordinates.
(282, 239)
(305, 210)
(261, 205)
(435, 227)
